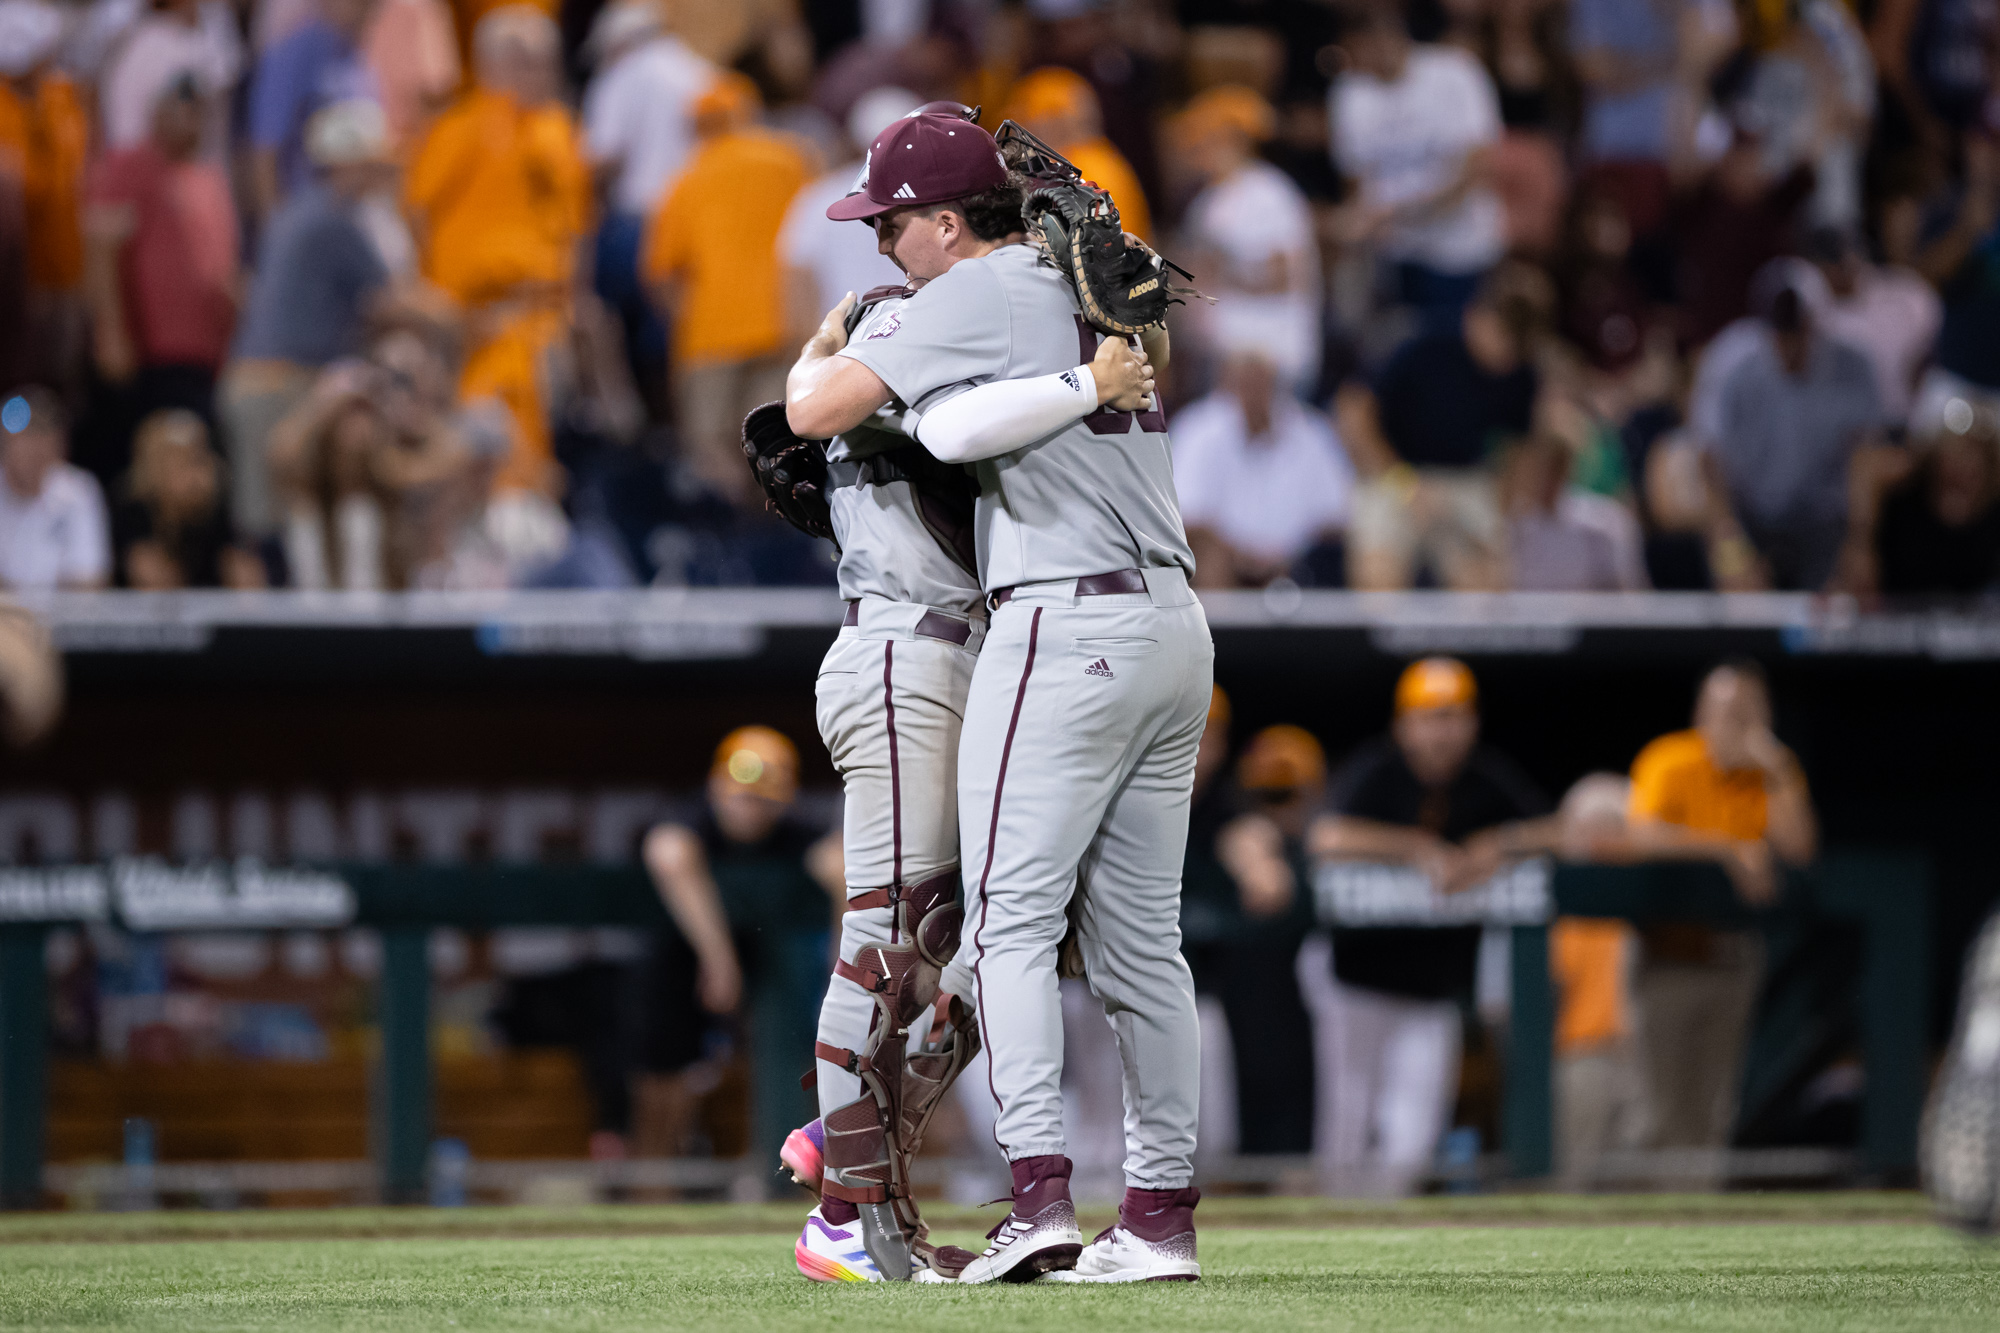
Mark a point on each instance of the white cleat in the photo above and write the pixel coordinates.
(1960, 1148)
(1024, 1248)
(827, 1253)
(1119, 1256)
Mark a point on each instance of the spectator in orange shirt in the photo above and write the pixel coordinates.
(500, 195)
(1599, 1080)
(44, 147)
(711, 257)
(1727, 790)
(1057, 106)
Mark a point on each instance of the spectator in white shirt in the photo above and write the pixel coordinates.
(54, 532)
(824, 260)
(1888, 314)
(1250, 234)
(638, 127)
(638, 112)
(1413, 128)
(1262, 478)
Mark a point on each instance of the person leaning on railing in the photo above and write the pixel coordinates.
(748, 885)
(1387, 1026)
(1727, 790)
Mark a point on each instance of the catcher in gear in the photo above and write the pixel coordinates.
(891, 692)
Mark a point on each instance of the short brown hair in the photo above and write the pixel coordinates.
(992, 215)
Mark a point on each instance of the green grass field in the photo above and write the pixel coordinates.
(1759, 1262)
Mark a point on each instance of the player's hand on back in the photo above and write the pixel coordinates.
(831, 335)
(1124, 376)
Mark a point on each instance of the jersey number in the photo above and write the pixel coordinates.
(1105, 420)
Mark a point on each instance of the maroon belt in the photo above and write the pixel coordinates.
(933, 625)
(1090, 585)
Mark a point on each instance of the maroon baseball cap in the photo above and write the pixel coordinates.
(924, 158)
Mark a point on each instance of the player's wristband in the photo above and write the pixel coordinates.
(999, 417)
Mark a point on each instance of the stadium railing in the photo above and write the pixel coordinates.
(1885, 895)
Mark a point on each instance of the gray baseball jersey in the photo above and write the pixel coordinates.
(885, 549)
(1095, 496)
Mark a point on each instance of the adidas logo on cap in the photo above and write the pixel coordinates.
(1099, 668)
(904, 192)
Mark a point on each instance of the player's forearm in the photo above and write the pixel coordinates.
(826, 394)
(1002, 416)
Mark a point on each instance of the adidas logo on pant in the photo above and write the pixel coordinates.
(1099, 668)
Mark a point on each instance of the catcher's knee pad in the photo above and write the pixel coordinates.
(924, 921)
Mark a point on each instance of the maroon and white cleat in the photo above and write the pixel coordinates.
(1040, 1235)
(1153, 1241)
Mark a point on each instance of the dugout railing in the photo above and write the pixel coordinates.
(1881, 898)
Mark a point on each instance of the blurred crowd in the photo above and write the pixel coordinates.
(1535, 294)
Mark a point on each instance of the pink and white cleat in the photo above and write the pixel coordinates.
(827, 1253)
(804, 1154)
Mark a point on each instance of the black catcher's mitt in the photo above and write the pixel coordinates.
(792, 471)
(1122, 285)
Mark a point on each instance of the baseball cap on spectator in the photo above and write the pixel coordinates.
(1283, 758)
(29, 33)
(1436, 682)
(350, 133)
(758, 760)
(924, 159)
(1228, 109)
(1788, 287)
(728, 103)
(876, 110)
(621, 24)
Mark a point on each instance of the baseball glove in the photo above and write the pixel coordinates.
(792, 471)
(1121, 283)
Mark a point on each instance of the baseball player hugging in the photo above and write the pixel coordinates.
(1078, 726)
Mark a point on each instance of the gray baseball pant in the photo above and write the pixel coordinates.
(891, 702)
(1075, 773)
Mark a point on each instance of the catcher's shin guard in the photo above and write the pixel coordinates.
(870, 1141)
